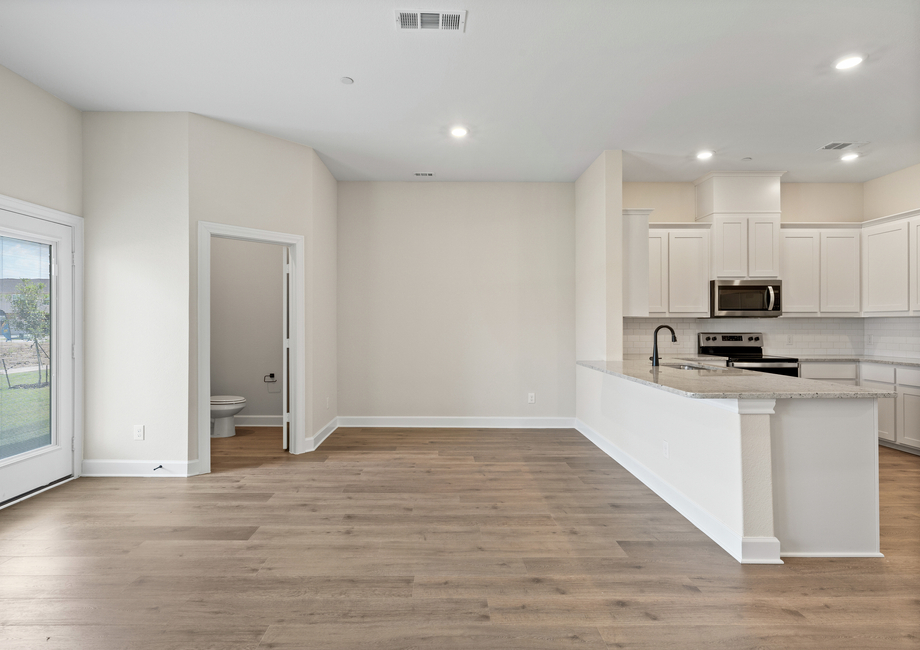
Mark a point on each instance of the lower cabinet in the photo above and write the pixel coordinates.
(908, 424)
(836, 372)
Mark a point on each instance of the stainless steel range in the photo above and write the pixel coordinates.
(745, 350)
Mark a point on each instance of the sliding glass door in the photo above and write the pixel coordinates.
(36, 354)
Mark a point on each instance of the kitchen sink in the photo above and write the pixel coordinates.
(686, 366)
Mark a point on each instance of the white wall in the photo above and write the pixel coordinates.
(243, 178)
(671, 201)
(137, 284)
(821, 202)
(892, 193)
(456, 299)
(41, 146)
(246, 334)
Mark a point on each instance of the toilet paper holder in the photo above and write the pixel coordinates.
(269, 378)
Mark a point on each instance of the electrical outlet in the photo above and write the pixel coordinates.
(790, 339)
(531, 398)
(665, 449)
(138, 431)
(869, 339)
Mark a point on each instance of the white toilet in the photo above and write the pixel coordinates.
(223, 408)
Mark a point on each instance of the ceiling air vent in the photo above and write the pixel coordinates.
(836, 145)
(425, 174)
(445, 21)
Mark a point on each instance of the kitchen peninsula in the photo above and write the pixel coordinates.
(765, 465)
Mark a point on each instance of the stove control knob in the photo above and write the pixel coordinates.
(750, 338)
(708, 337)
(756, 338)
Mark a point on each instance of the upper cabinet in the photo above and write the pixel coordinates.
(840, 271)
(745, 246)
(885, 254)
(744, 210)
(678, 270)
(800, 255)
(820, 271)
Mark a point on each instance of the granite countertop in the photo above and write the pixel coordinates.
(892, 361)
(716, 382)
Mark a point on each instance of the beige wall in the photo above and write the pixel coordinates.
(821, 202)
(41, 146)
(456, 299)
(246, 336)
(243, 178)
(670, 201)
(137, 281)
(613, 173)
(891, 194)
(324, 293)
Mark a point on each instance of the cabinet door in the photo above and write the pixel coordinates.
(763, 246)
(885, 268)
(688, 272)
(840, 271)
(913, 227)
(657, 271)
(908, 416)
(886, 410)
(730, 247)
(800, 261)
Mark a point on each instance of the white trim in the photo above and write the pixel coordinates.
(832, 554)
(297, 312)
(32, 494)
(438, 422)
(36, 211)
(733, 543)
(760, 550)
(171, 468)
(258, 420)
(317, 439)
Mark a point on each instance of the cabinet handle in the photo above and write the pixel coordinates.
(772, 297)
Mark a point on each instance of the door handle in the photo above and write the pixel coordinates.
(772, 297)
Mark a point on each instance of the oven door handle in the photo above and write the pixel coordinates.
(765, 364)
(772, 297)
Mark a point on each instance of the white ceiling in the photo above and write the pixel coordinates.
(543, 85)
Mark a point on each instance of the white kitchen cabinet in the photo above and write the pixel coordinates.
(801, 263)
(908, 424)
(885, 268)
(745, 246)
(881, 377)
(835, 372)
(839, 271)
(913, 229)
(763, 246)
(657, 271)
(688, 272)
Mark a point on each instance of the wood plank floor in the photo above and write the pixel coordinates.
(428, 539)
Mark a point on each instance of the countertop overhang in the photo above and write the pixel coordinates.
(719, 382)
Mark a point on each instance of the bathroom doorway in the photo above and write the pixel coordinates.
(288, 387)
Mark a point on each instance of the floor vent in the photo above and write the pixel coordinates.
(445, 21)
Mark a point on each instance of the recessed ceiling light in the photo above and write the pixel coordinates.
(849, 156)
(849, 62)
(347, 80)
(704, 155)
(459, 131)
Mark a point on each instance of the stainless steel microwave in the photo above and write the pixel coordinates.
(745, 298)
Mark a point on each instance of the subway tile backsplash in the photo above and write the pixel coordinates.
(890, 337)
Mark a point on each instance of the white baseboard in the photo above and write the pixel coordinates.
(834, 554)
(750, 550)
(258, 420)
(170, 468)
(317, 439)
(436, 422)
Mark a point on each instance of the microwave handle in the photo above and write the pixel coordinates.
(772, 297)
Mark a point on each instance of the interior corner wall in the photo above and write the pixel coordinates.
(821, 202)
(324, 317)
(591, 262)
(670, 202)
(456, 299)
(613, 189)
(244, 178)
(246, 324)
(135, 194)
(41, 146)
(892, 193)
